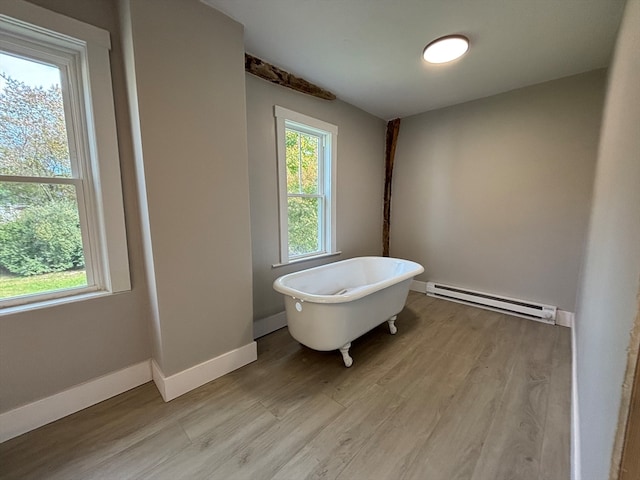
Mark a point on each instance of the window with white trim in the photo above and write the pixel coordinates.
(62, 231)
(306, 184)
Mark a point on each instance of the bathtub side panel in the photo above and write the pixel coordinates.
(329, 326)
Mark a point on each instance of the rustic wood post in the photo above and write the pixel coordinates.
(273, 74)
(393, 127)
(627, 443)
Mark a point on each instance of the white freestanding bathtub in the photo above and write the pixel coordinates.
(331, 305)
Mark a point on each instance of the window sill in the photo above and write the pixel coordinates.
(53, 302)
(305, 259)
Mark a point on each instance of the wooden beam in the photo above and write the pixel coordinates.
(393, 127)
(273, 74)
(630, 434)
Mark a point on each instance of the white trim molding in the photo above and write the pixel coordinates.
(267, 325)
(182, 382)
(575, 414)
(41, 412)
(307, 259)
(564, 318)
(418, 286)
(44, 411)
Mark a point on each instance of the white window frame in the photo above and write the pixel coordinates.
(81, 51)
(329, 136)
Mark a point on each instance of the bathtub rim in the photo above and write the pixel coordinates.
(278, 285)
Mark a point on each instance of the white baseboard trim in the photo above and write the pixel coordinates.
(182, 382)
(575, 414)
(565, 318)
(418, 286)
(41, 412)
(270, 324)
(158, 378)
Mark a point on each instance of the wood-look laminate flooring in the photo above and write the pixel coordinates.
(457, 393)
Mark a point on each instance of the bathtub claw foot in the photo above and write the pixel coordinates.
(348, 361)
(392, 325)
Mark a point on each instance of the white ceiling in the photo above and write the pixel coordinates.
(368, 52)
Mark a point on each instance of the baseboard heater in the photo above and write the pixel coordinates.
(511, 306)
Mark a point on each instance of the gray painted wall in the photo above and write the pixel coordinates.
(187, 62)
(494, 194)
(608, 300)
(43, 352)
(360, 183)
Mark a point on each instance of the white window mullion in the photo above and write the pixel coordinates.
(322, 213)
(304, 195)
(69, 103)
(330, 190)
(81, 165)
(89, 258)
(322, 226)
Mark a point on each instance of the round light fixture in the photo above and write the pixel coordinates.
(446, 49)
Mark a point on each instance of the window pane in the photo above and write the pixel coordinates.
(40, 240)
(304, 225)
(292, 139)
(302, 157)
(33, 134)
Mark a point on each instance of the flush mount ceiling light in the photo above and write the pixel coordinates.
(446, 49)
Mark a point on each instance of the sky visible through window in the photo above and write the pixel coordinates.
(28, 71)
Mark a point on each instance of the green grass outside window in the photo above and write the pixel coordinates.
(12, 286)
